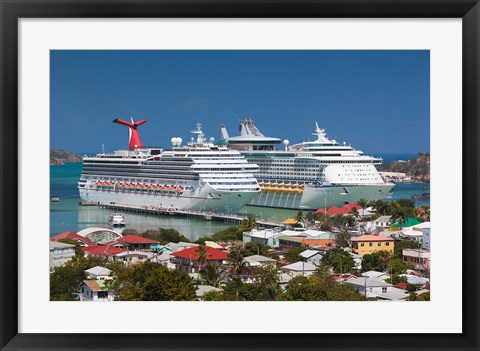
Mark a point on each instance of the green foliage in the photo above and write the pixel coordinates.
(248, 224)
(319, 287)
(398, 266)
(268, 287)
(255, 249)
(424, 297)
(235, 261)
(395, 279)
(340, 260)
(150, 281)
(343, 238)
(69, 241)
(213, 296)
(236, 290)
(376, 261)
(404, 244)
(293, 255)
(412, 297)
(211, 275)
(165, 236)
(129, 231)
(65, 282)
(229, 234)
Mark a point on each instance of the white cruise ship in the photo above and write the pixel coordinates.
(198, 176)
(310, 175)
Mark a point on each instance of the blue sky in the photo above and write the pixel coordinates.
(377, 101)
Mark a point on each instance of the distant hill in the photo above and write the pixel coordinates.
(59, 157)
(417, 168)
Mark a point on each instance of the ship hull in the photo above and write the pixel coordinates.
(314, 198)
(205, 199)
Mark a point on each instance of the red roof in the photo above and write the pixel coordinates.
(402, 285)
(72, 236)
(192, 253)
(334, 210)
(102, 250)
(135, 239)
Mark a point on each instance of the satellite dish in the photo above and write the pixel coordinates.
(179, 140)
(212, 139)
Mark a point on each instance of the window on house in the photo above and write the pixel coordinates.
(83, 289)
(370, 244)
(384, 289)
(362, 244)
(387, 244)
(379, 244)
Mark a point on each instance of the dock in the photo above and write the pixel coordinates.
(208, 216)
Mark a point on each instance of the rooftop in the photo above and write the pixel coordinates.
(102, 250)
(71, 236)
(372, 237)
(192, 253)
(300, 267)
(98, 271)
(135, 239)
(55, 244)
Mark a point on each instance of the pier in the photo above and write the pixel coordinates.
(208, 216)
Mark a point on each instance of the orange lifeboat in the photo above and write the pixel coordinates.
(164, 187)
(171, 187)
(179, 189)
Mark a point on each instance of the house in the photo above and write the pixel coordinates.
(73, 236)
(419, 258)
(135, 242)
(408, 222)
(421, 282)
(309, 238)
(60, 253)
(305, 268)
(376, 275)
(379, 224)
(104, 251)
(426, 238)
(188, 260)
(367, 244)
(378, 289)
(357, 259)
(98, 273)
(202, 289)
(265, 236)
(133, 257)
(95, 290)
(258, 260)
(311, 256)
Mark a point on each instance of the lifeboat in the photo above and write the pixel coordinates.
(164, 187)
(98, 182)
(171, 187)
(179, 189)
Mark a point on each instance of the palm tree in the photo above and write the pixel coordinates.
(249, 223)
(236, 262)
(211, 275)
(354, 212)
(300, 217)
(362, 203)
(202, 256)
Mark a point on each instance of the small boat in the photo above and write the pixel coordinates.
(116, 219)
(422, 196)
(55, 199)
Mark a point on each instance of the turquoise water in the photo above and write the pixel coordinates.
(69, 215)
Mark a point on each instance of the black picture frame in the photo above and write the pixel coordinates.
(11, 11)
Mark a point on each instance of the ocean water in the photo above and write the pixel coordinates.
(67, 214)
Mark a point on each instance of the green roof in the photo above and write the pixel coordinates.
(406, 223)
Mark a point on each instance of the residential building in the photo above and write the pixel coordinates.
(376, 275)
(73, 236)
(378, 289)
(133, 257)
(419, 258)
(258, 260)
(188, 260)
(312, 256)
(98, 273)
(60, 253)
(379, 224)
(264, 236)
(203, 289)
(426, 238)
(135, 242)
(305, 268)
(367, 244)
(104, 251)
(408, 222)
(95, 290)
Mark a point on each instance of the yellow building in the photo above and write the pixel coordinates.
(367, 244)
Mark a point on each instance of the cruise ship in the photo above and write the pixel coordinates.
(197, 176)
(309, 175)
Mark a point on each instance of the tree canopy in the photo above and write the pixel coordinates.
(340, 260)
